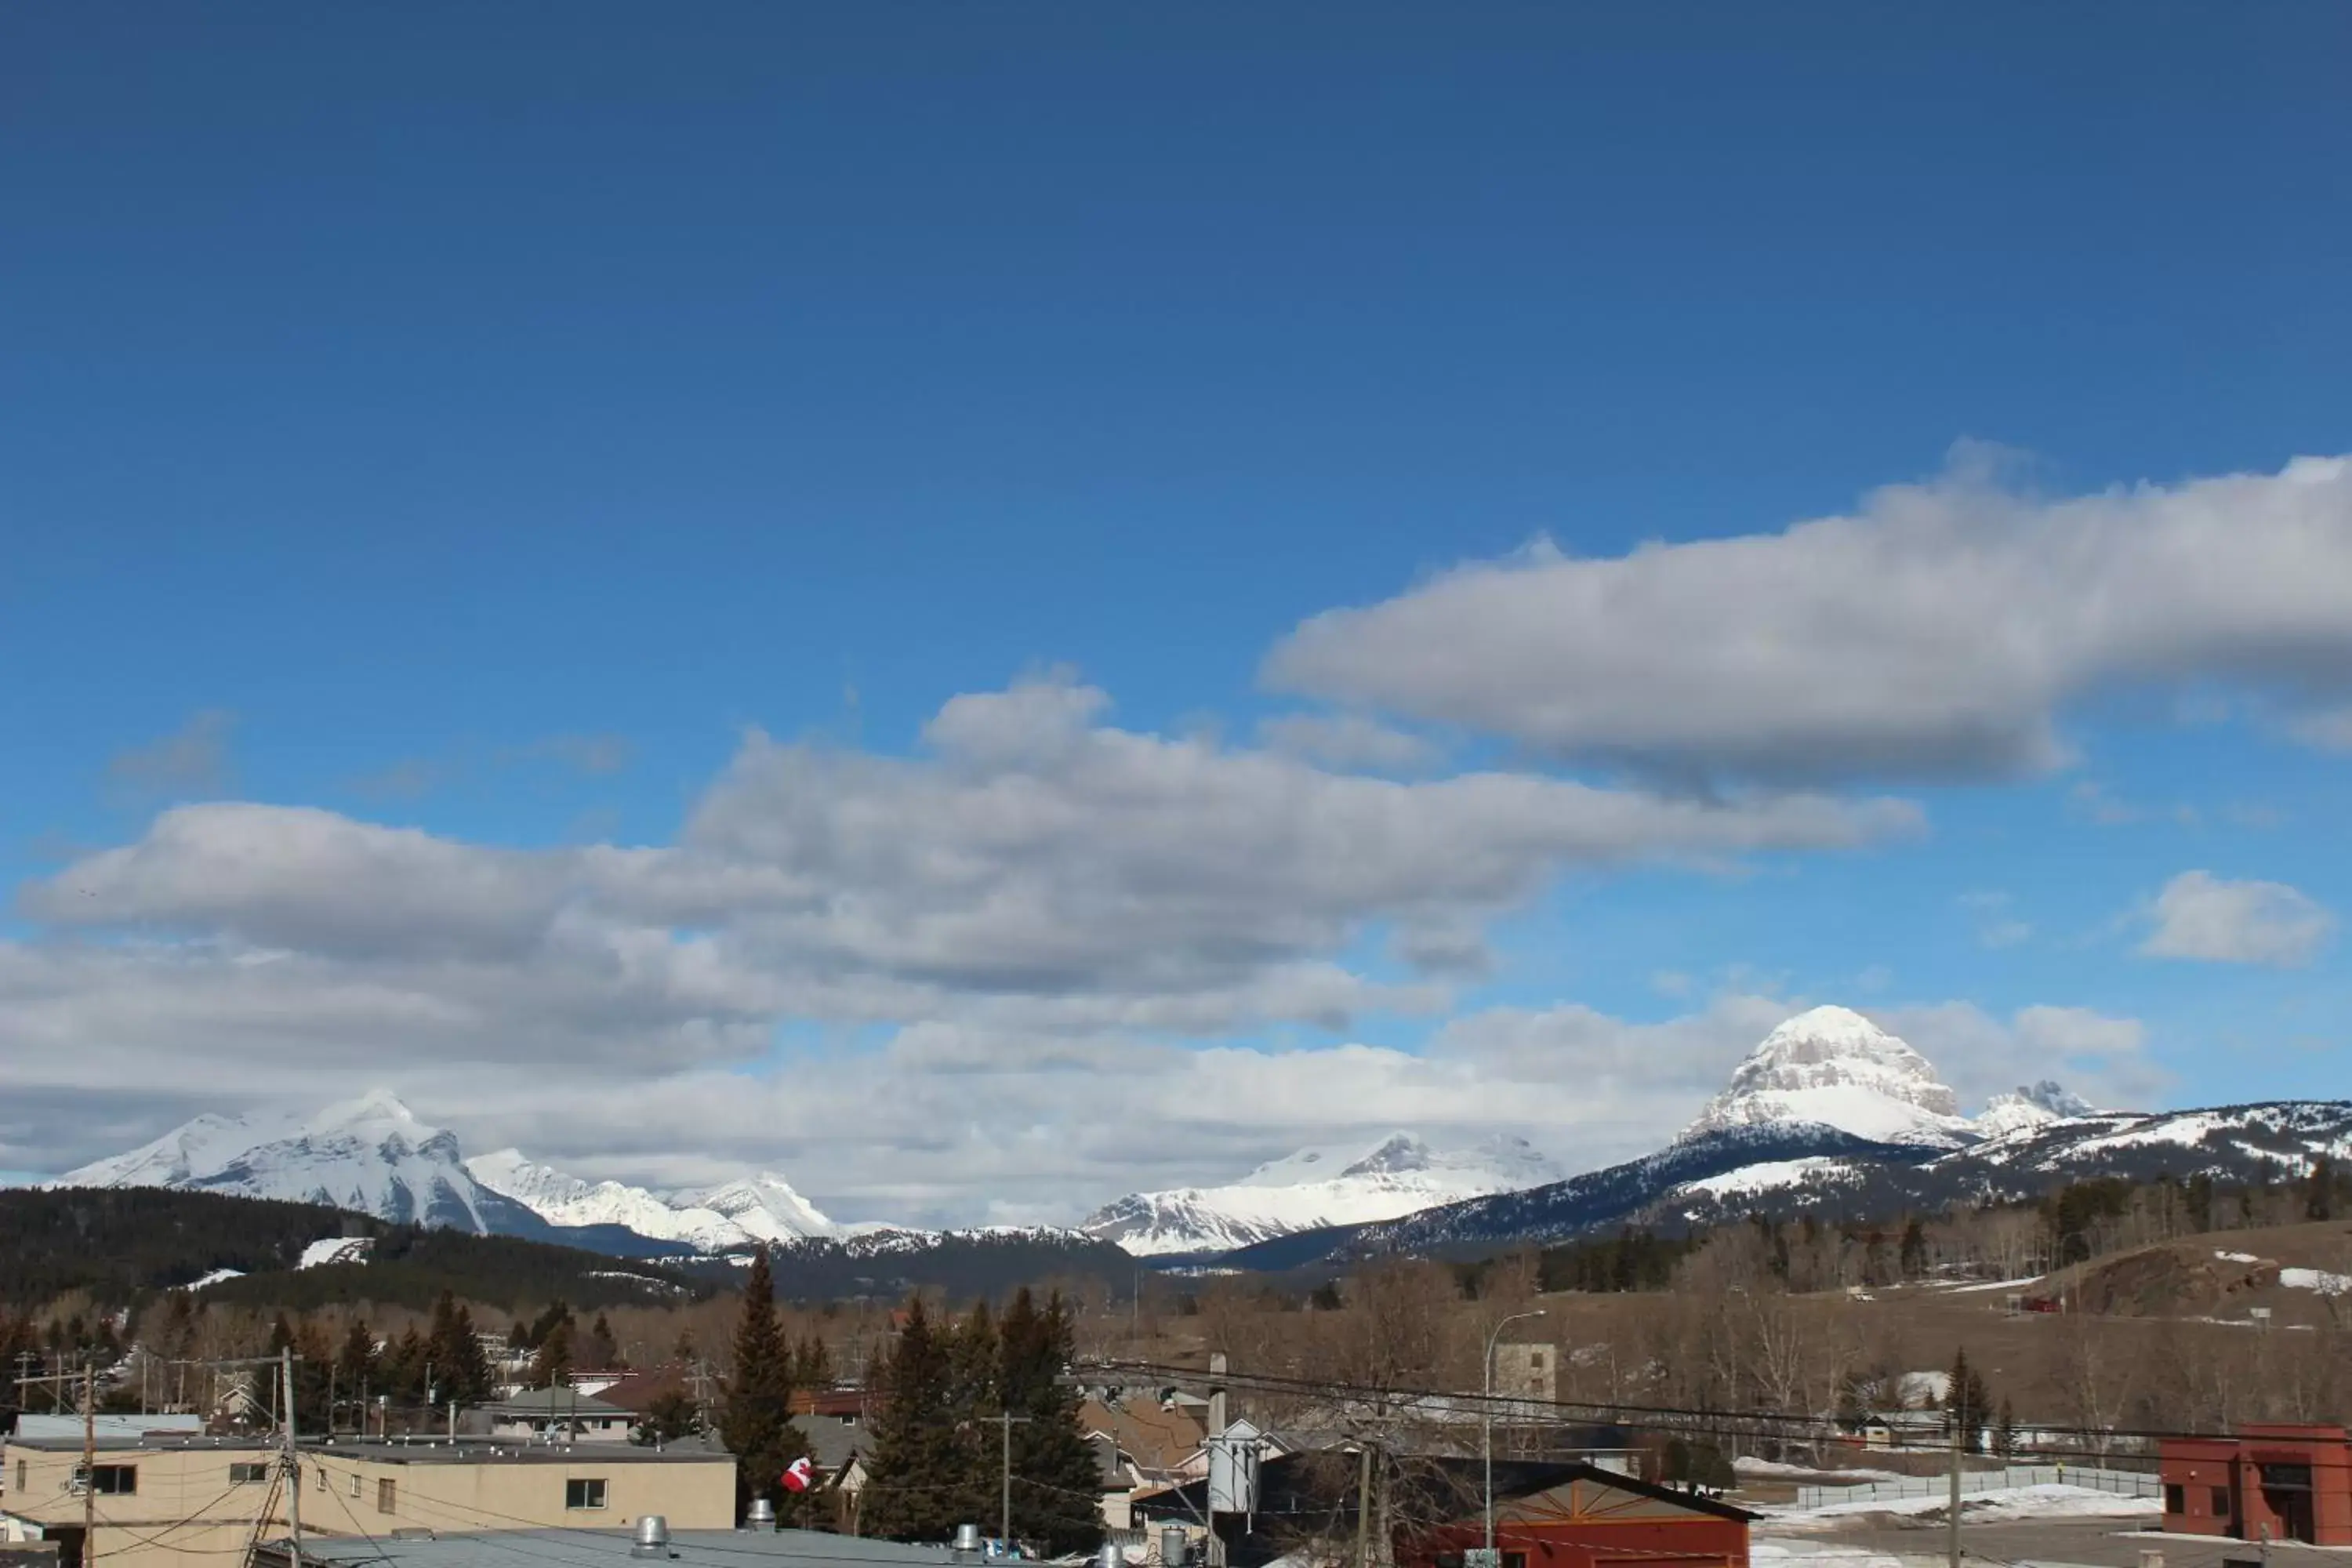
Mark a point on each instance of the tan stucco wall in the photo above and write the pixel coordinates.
(186, 1514)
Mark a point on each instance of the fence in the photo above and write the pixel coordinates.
(1984, 1483)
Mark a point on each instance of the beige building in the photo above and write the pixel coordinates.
(197, 1503)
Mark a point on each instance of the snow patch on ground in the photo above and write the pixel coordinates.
(337, 1249)
(2317, 1280)
(2051, 1500)
(215, 1278)
(1992, 1285)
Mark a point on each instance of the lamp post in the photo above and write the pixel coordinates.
(1486, 1423)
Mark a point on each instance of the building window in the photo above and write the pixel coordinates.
(116, 1480)
(2220, 1502)
(2174, 1499)
(387, 1494)
(20, 1477)
(247, 1475)
(583, 1494)
(318, 1476)
(356, 1484)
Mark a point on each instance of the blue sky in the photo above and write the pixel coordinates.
(479, 421)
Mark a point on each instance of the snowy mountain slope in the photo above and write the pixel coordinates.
(1831, 1115)
(1316, 1188)
(1833, 1068)
(2039, 1106)
(764, 1207)
(370, 1154)
(565, 1200)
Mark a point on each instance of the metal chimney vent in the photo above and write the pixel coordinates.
(763, 1515)
(1111, 1556)
(968, 1540)
(653, 1537)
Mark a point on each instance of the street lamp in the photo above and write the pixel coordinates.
(1486, 1423)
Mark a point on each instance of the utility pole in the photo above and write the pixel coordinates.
(293, 1465)
(1007, 1421)
(89, 1464)
(1952, 1525)
(1217, 1425)
(1364, 1503)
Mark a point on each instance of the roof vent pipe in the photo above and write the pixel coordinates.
(653, 1537)
(967, 1541)
(1112, 1555)
(762, 1516)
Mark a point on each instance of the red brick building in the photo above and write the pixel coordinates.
(2275, 1483)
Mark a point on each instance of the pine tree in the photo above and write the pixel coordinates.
(1913, 1253)
(2004, 1435)
(1056, 1478)
(552, 1365)
(920, 1480)
(1967, 1402)
(757, 1423)
(598, 1350)
(460, 1368)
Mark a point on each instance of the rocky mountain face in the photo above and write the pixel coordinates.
(1316, 1188)
(371, 1155)
(1832, 1066)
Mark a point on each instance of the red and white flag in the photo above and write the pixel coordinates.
(799, 1475)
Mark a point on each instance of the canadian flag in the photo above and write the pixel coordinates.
(799, 1475)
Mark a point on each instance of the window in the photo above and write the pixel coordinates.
(116, 1480)
(583, 1494)
(321, 1476)
(2220, 1502)
(356, 1484)
(247, 1475)
(2173, 1498)
(387, 1494)
(20, 1475)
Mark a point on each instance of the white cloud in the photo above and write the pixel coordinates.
(1036, 891)
(1347, 740)
(2202, 916)
(1936, 634)
(2329, 729)
(2103, 1059)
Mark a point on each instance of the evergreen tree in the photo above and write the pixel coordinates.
(920, 1480)
(460, 1368)
(2004, 1433)
(1055, 1477)
(597, 1350)
(1967, 1403)
(552, 1365)
(667, 1417)
(1913, 1253)
(757, 1420)
(402, 1368)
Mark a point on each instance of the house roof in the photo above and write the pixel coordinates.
(1319, 1485)
(833, 1443)
(1158, 1439)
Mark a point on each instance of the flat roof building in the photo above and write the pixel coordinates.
(2264, 1483)
(192, 1501)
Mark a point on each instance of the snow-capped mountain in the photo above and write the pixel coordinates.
(566, 1199)
(2037, 1106)
(1831, 1114)
(1315, 1188)
(763, 1207)
(1831, 1066)
(370, 1154)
